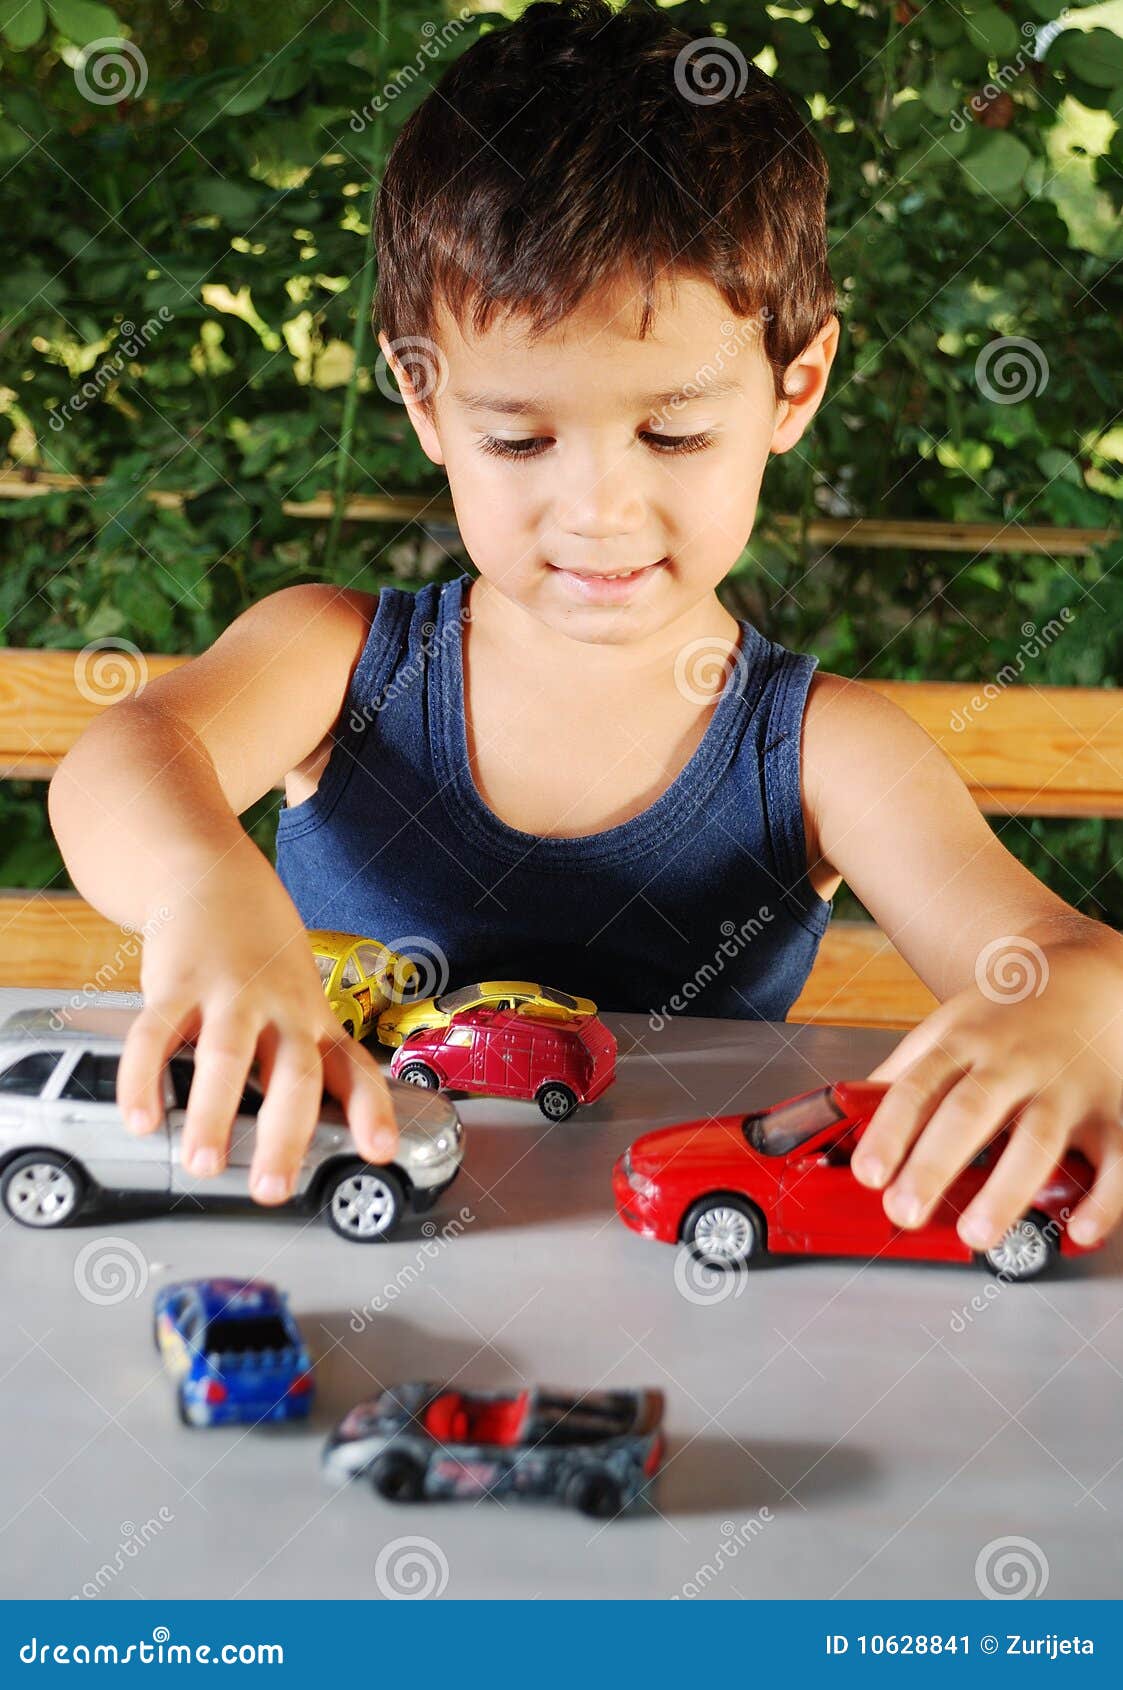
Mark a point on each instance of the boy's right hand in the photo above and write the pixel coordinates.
(231, 970)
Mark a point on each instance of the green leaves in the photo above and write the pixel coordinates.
(994, 32)
(22, 22)
(995, 163)
(81, 21)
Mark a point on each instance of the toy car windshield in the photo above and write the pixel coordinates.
(452, 1001)
(775, 1132)
(326, 966)
(562, 999)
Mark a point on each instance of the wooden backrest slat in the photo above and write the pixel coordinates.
(1049, 751)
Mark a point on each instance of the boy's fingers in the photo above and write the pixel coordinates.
(1096, 1214)
(967, 1118)
(901, 1114)
(224, 1051)
(157, 1033)
(352, 1075)
(1035, 1147)
(287, 1119)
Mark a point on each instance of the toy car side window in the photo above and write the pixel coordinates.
(350, 977)
(28, 1076)
(459, 1036)
(93, 1080)
(371, 958)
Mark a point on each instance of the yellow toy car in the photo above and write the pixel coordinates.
(361, 977)
(528, 997)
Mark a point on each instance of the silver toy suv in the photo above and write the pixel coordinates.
(62, 1139)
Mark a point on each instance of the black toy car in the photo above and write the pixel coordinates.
(597, 1452)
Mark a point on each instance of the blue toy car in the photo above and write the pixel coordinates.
(235, 1352)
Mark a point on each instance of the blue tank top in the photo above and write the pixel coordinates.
(699, 905)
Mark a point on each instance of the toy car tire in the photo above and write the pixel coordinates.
(1027, 1249)
(596, 1494)
(184, 1412)
(19, 1186)
(557, 1102)
(419, 1074)
(723, 1231)
(362, 1202)
(397, 1478)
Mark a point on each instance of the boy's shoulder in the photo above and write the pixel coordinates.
(861, 757)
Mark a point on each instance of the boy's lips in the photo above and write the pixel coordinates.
(603, 586)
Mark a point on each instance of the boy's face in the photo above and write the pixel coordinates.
(567, 468)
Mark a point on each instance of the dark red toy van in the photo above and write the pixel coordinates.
(513, 1053)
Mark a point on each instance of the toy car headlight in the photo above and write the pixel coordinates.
(638, 1182)
(436, 1149)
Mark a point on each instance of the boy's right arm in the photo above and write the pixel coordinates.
(145, 809)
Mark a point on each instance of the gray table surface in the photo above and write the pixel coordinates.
(836, 1428)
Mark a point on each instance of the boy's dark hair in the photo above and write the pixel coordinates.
(581, 142)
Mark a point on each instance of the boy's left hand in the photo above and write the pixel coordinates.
(1049, 1058)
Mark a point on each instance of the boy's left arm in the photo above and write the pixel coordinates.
(1030, 1023)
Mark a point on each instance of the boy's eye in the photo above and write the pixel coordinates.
(534, 446)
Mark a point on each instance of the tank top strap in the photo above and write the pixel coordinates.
(781, 757)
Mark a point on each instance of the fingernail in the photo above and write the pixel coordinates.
(137, 1120)
(976, 1230)
(204, 1162)
(905, 1209)
(382, 1142)
(869, 1170)
(1083, 1229)
(270, 1188)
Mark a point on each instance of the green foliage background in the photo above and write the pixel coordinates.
(233, 192)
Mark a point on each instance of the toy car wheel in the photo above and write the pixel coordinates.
(42, 1190)
(723, 1231)
(419, 1074)
(397, 1478)
(188, 1416)
(1027, 1249)
(364, 1203)
(597, 1494)
(556, 1101)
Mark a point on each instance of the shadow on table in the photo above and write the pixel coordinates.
(719, 1476)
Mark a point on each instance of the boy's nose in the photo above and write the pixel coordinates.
(603, 501)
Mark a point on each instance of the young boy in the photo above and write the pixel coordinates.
(605, 295)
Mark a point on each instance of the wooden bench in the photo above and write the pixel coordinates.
(1027, 751)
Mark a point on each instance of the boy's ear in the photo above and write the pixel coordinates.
(420, 414)
(805, 382)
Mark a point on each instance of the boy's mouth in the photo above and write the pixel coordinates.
(603, 586)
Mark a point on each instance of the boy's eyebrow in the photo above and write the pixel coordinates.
(507, 405)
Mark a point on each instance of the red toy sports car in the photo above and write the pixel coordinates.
(735, 1186)
(513, 1053)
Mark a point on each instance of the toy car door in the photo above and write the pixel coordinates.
(824, 1207)
(87, 1123)
(522, 1050)
(23, 1084)
(457, 1056)
(233, 1181)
